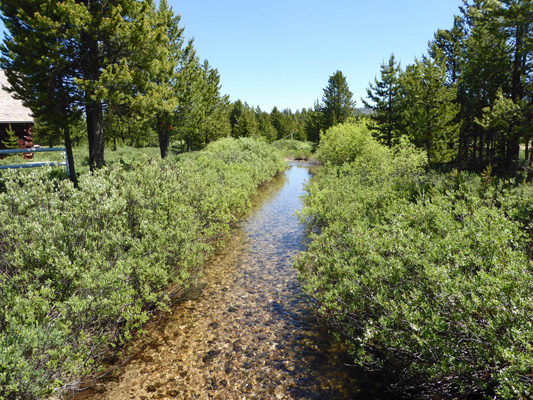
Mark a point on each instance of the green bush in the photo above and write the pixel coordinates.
(428, 277)
(343, 143)
(177, 147)
(80, 268)
(294, 149)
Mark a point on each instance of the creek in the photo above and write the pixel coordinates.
(247, 332)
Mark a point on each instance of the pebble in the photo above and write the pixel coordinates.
(252, 333)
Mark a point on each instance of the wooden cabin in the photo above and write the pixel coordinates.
(14, 114)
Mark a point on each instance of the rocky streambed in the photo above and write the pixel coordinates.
(246, 332)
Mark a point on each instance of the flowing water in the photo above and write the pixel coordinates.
(248, 332)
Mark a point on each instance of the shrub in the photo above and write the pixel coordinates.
(428, 277)
(80, 268)
(294, 149)
(345, 142)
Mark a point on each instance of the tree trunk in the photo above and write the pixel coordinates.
(516, 77)
(480, 146)
(513, 144)
(95, 135)
(93, 108)
(428, 150)
(70, 157)
(513, 150)
(162, 132)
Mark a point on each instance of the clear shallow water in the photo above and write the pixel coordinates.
(251, 333)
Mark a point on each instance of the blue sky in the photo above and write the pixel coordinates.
(282, 52)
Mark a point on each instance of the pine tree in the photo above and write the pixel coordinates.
(265, 127)
(243, 120)
(11, 141)
(485, 72)
(67, 58)
(299, 119)
(385, 98)
(496, 48)
(246, 126)
(237, 109)
(448, 47)
(214, 118)
(507, 119)
(313, 124)
(163, 76)
(188, 115)
(516, 18)
(39, 65)
(429, 109)
(337, 104)
(278, 122)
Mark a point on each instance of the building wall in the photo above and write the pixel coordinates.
(23, 132)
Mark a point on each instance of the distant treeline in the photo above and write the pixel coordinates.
(125, 71)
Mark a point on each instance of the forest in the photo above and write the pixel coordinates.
(420, 253)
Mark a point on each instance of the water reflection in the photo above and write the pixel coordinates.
(251, 333)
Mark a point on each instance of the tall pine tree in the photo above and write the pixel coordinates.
(82, 53)
(385, 101)
(430, 110)
(38, 65)
(214, 121)
(337, 104)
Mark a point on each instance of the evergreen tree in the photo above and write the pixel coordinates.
(11, 141)
(337, 104)
(237, 109)
(39, 67)
(243, 120)
(429, 109)
(385, 98)
(265, 127)
(188, 115)
(448, 47)
(214, 121)
(516, 18)
(246, 126)
(164, 80)
(486, 70)
(507, 119)
(492, 44)
(278, 122)
(78, 55)
(313, 124)
(289, 123)
(299, 121)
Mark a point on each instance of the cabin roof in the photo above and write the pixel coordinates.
(12, 110)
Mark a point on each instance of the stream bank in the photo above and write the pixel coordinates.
(248, 332)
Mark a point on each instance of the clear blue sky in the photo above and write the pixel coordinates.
(282, 52)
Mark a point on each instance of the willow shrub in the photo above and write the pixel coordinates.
(80, 267)
(430, 282)
(343, 143)
(294, 149)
